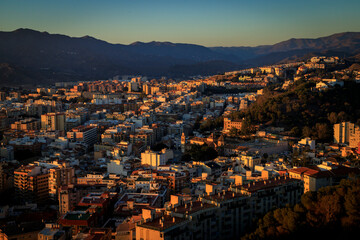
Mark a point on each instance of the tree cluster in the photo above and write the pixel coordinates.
(330, 213)
(210, 124)
(200, 153)
(305, 112)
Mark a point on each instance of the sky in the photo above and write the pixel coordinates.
(205, 22)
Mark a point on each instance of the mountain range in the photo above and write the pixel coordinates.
(32, 57)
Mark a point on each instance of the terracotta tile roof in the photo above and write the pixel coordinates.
(303, 171)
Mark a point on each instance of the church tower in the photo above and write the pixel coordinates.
(183, 142)
(221, 141)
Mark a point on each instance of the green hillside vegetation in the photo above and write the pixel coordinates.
(304, 112)
(330, 213)
(200, 153)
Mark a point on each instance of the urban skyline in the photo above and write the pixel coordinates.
(179, 135)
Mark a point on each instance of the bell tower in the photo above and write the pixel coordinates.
(183, 142)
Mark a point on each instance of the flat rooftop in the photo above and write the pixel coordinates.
(168, 222)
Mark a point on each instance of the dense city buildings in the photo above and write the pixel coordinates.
(204, 158)
(29, 124)
(220, 215)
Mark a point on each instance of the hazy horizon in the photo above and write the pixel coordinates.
(209, 23)
(56, 33)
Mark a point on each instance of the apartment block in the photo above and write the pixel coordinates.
(342, 132)
(155, 159)
(52, 232)
(166, 227)
(91, 211)
(322, 175)
(354, 139)
(70, 195)
(85, 134)
(220, 215)
(31, 183)
(53, 121)
(60, 175)
(7, 152)
(147, 138)
(6, 176)
(30, 124)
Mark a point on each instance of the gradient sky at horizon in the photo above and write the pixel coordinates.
(204, 22)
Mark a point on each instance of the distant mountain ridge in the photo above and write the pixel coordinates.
(46, 58)
(342, 42)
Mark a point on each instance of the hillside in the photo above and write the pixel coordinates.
(90, 58)
(14, 74)
(347, 42)
(46, 58)
(304, 112)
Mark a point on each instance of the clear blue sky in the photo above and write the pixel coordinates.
(205, 22)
